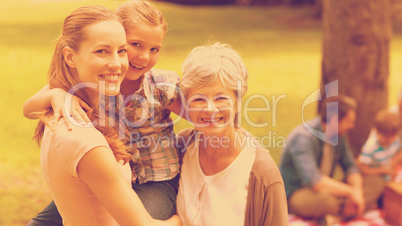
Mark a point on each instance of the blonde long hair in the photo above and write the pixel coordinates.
(59, 75)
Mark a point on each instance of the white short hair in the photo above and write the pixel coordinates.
(207, 64)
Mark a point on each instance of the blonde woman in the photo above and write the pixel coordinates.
(86, 169)
(149, 97)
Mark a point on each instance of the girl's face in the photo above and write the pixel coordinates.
(101, 58)
(212, 109)
(144, 43)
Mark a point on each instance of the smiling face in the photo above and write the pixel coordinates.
(144, 43)
(212, 109)
(101, 58)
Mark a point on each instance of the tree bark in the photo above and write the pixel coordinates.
(356, 39)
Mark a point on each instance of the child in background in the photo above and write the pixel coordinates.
(382, 145)
(378, 158)
(149, 97)
(397, 160)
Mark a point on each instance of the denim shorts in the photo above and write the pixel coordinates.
(159, 199)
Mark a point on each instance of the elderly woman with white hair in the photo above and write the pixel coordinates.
(227, 178)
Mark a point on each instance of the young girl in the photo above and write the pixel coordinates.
(149, 97)
(85, 168)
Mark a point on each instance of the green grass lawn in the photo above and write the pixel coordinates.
(280, 46)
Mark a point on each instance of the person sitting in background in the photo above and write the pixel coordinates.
(309, 158)
(227, 178)
(379, 156)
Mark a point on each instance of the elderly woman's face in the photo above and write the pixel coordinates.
(212, 108)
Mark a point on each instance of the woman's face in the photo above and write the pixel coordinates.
(212, 109)
(144, 43)
(102, 57)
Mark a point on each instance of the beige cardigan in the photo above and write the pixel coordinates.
(266, 199)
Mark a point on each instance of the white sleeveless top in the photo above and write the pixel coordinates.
(219, 199)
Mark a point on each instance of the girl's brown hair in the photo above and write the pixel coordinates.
(59, 75)
(135, 12)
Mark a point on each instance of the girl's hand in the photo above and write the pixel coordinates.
(67, 105)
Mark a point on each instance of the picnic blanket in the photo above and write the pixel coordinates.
(370, 218)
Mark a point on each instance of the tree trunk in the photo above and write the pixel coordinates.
(356, 39)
